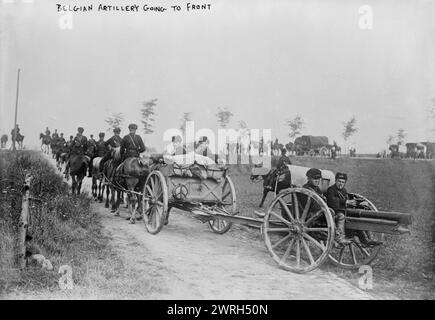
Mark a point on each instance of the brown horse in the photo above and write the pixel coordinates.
(131, 175)
(45, 143)
(273, 180)
(78, 165)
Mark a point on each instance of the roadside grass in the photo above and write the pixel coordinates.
(405, 265)
(64, 228)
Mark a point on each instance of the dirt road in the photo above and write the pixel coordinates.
(186, 260)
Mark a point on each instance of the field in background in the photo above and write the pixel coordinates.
(406, 263)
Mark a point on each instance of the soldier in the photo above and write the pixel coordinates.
(99, 150)
(338, 199)
(55, 135)
(101, 147)
(79, 145)
(92, 140)
(112, 143)
(62, 141)
(175, 147)
(271, 178)
(132, 144)
(314, 175)
(47, 132)
(203, 149)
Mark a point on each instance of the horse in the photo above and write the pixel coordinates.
(131, 175)
(280, 178)
(78, 165)
(45, 143)
(97, 179)
(4, 140)
(108, 171)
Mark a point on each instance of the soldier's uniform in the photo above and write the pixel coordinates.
(336, 200)
(78, 146)
(132, 144)
(112, 143)
(101, 148)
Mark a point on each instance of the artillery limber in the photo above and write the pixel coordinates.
(298, 227)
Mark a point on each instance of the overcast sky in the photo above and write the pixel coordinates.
(267, 61)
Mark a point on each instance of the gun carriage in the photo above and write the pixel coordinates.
(298, 227)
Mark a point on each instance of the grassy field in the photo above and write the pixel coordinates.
(64, 229)
(393, 185)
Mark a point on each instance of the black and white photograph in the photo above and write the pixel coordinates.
(218, 154)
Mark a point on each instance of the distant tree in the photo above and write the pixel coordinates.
(401, 136)
(223, 117)
(147, 112)
(349, 128)
(114, 120)
(187, 116)
(390, 140)
(295, 125)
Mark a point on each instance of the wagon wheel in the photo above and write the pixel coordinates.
(228, 204)
(155, 202)
(323, 151)
(298, 230)
(312, 153)
(356, 254)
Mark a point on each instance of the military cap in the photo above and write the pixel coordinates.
(101, 134)
(340, 175)
(314, 173)
(117, 130)
(80, 129)
(132, 126)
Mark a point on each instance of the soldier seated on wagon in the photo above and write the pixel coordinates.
(314, 175)
(338, 200)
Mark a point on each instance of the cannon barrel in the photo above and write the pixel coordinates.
(399, 217)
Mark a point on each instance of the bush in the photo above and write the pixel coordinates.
(63, 226)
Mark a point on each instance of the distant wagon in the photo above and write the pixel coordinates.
(312, 146)
(415, 150)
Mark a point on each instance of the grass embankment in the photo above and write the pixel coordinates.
(63, 227)
(406, 263)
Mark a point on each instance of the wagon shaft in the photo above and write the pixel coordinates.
(378, 221)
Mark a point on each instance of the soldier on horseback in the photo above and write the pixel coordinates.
(97, 149)
(47, 131)
(283, 161)
(132, 144)
(112, 143)
(79, 146)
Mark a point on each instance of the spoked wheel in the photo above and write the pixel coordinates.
(323, 151)
(155, 202)
(357, 253)
(298, 230)
(228, 204)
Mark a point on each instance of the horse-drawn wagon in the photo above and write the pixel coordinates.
(312, 146)
(298, 227)
(193, 186)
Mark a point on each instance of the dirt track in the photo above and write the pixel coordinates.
(186, 260)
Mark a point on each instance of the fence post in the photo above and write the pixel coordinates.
(24, 222)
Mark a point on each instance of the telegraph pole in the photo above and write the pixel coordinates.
(16, 112)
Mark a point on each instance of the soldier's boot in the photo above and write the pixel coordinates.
(364, 238)
(340, 235)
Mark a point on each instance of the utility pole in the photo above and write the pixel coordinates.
(16, 112)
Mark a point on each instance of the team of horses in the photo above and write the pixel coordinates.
(116, 177)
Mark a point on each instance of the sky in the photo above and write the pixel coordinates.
(266, 61)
